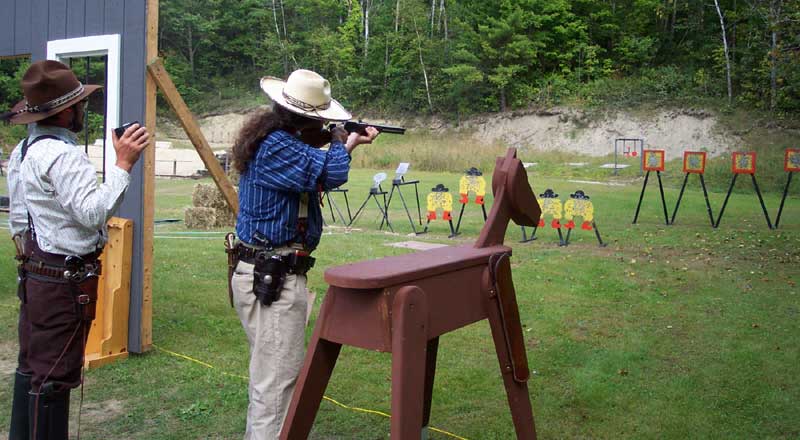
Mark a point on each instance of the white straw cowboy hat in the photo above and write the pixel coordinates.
(305, 93)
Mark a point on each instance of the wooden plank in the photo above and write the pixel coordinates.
(149, 190)
(192, 129)
(95, 14)
(7, 29)
(57, 22)
(76, 11)
(14, 57)
(21, 26)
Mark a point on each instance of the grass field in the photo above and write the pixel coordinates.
(669, 332)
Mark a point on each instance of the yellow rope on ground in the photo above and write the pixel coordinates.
(342, 405)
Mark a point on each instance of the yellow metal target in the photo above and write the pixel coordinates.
(440, 198)
(472, 182)
(579, 205)
(550, 205)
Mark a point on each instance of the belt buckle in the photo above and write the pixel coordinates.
(83, 299)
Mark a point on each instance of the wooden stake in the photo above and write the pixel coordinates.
(192, 129)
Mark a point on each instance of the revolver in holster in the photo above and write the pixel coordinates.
(21, 256)
(269, 274)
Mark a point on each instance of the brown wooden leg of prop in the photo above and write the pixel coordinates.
(507, 334)
(311, 384)
(409, 347)
(430, 372)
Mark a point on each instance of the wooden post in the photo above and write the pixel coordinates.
(149, 178)
(192, 129)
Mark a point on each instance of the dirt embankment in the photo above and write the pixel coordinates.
(557, 129)
(574, 131)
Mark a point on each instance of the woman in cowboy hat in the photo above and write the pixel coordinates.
(58, 220)
(282, 171)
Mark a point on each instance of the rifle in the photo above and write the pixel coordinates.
(318, 138)
(360, 127)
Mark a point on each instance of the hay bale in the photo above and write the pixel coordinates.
(208, 196)
(225, 218)
(233, 174)
(200, 218)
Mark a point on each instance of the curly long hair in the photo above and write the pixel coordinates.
(258, 127)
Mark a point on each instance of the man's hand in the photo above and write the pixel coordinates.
(355, 139)
(130, 145)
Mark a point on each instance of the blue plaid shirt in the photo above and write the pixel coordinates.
(269, 190)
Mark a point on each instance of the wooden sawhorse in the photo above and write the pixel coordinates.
(402, 304)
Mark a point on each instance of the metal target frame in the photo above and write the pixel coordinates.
(635, 142)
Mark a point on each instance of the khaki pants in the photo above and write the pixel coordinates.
(276, 335)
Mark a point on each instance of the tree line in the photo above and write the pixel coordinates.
(457, 57)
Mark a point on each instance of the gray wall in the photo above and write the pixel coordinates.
(25, 28)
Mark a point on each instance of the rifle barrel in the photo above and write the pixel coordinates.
(361, 126)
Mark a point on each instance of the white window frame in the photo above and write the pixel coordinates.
(109, 45)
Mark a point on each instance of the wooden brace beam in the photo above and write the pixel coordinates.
(192, 129)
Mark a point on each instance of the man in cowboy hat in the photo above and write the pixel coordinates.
(58, 220)
(279, 225)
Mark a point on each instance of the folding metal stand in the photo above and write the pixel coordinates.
(397, 183)
(453, 231)
(636, 144)
(705, 195)
(374, 192)
(525, 238)
(783, 199)
(461, 214)
(760, 200)
(663, 200)
(332, 204)
(533, 236)
(596, 233)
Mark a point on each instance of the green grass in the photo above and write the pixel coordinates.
(669, 332)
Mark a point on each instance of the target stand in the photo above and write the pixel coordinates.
(744, 163)
(525, 238)
(397, 183)
(652, 160)
(579, 205)
(791, 164)
(332, 205)
(375, 191)
(471, 182)
(694, 162)
(440, 199)
(549, 204)
(628, 147)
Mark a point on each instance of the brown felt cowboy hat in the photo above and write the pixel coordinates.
(49, 87)
(305, 93)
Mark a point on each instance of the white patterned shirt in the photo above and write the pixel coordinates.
(57, 184)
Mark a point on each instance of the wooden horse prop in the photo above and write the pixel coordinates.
(402, 304)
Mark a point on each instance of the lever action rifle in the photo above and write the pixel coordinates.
(360, 127)
(318, 138)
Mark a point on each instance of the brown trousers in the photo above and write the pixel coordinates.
(53, 327)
